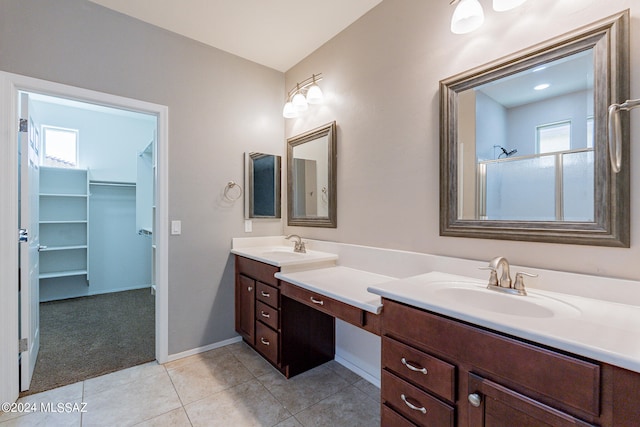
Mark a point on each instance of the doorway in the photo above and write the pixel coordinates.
(96, 181)
(10, 87)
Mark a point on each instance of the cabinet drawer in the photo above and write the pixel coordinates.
(419, 368)
(551, 377)
(267, 294)
(333, 307)
(267, 342)
(415, 404)
(257, 270)
(389, 417)
(267, 314)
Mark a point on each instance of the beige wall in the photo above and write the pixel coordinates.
(381, 81)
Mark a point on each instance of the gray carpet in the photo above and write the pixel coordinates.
(82, 338)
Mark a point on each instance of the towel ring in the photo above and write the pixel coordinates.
(230, 193)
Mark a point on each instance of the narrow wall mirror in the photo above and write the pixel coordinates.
(523, 142)
(262, 185)
(311, 178)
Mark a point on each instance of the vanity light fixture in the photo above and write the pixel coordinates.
(299, 98)
(467, 17)
(469, 14)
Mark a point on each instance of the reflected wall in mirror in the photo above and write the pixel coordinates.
(262, 182)
(311, 178)
(524, 152)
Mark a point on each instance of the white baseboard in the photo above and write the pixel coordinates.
(193, 351)
(353, 368)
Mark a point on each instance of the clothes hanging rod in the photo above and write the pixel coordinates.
(113, 183)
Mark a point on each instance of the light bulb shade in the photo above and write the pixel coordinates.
(299, 102)
(467, 17)
(288, 112)
(502, 5)
(314, 95)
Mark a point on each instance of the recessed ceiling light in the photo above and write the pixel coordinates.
(542, 86)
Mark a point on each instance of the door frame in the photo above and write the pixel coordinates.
(10, 85)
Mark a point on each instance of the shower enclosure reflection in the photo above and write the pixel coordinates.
(530, 153)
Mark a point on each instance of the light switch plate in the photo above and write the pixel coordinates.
(248, 226)
(176, 227)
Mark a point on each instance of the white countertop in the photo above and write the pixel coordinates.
(604, 331)
(344, 284)
(595, 317)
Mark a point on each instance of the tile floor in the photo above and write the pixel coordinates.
(229, 386)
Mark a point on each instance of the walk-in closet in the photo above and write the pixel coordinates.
(96, 210)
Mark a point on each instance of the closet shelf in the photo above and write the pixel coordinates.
(66, 273)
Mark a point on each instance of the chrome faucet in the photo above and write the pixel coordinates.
(504, 283)
(299, 245)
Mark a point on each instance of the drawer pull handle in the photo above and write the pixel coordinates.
(413, 368)
(316, 301)
(265, 342)
(475, 399)
(414, 407)
(263, 314)
(249, 288)
(265, 294)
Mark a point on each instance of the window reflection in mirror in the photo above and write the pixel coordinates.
(530, 153)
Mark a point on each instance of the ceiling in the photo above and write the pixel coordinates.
(565, 75)
(275, 33)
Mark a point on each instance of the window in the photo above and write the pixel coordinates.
(60, 147)
(553, 137)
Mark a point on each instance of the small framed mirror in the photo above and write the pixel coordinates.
(262, 184)
(524, 153)
(311, 178)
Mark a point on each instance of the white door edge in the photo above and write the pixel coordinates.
(10, 84)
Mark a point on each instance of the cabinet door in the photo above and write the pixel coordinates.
(492, 405)
(246, 308)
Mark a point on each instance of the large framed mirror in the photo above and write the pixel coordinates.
(523, 142)
(311, 178)
(262, 184)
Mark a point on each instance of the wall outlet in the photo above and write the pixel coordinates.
(248, 226)
(176, 228)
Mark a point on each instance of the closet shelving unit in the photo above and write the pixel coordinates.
(64, 222)
(146, 201)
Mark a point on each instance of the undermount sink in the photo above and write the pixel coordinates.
(479, 297)
(283, 254)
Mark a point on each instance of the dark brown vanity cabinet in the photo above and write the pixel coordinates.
(253, 280)
(438, 371)
(291, 336)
